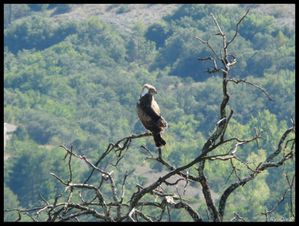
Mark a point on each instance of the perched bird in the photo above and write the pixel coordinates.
(149, 114)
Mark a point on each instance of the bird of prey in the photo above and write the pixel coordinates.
(149, 114)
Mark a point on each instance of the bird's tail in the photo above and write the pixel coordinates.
(158, 140)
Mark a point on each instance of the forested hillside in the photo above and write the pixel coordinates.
(75, 82)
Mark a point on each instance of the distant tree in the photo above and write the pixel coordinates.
(10, 201)
(158, 33)
(62, 8)
(123, 8)
(15, 11)
(38, 7)
(35, 31)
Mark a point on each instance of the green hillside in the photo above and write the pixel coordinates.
(75, 82)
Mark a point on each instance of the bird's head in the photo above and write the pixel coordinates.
(147, 88)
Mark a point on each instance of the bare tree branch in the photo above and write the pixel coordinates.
(250, 83)
(261, 167)
(237, 28)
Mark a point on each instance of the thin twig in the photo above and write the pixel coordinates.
(250, 83)
(237, 28)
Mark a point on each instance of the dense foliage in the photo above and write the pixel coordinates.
(77, 83)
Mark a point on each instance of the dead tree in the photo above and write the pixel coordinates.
(102, 201)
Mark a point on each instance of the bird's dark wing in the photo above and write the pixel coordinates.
(152, 112)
